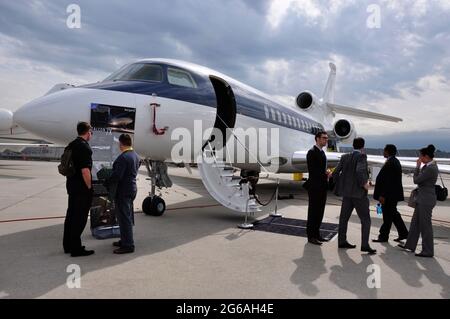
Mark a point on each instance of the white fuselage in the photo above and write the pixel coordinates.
(55, 116)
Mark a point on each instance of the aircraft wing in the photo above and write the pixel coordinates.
(28, 145)
(414, 159)
(20, 146)
(333, 158)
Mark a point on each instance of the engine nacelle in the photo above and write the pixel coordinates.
(344, 130)
(6, 120)
(306, 100)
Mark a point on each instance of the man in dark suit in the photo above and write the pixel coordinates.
(317, 186)
(352, 176)
(389, 191)
(125, 169)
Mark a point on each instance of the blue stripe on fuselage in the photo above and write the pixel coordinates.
(247, 103)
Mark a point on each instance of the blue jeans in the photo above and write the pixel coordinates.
(125, 218)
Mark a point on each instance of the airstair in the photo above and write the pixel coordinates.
(223, 185)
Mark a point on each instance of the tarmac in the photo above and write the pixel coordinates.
(195, 249)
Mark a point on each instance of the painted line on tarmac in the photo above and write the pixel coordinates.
(60, 217)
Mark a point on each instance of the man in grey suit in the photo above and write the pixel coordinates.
(421, 223)
(352, 183)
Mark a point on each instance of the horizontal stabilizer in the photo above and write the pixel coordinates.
(361, 113)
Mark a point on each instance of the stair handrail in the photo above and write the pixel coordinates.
(248, 151)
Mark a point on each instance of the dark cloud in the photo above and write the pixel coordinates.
(233, 36)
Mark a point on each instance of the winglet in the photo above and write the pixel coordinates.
(328, 93)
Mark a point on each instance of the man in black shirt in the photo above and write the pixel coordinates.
(79, 188)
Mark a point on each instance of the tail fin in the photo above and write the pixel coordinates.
(328, 99)
(328, 93)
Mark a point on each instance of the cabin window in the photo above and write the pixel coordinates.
(273, 114)
(266, 110)
(138, 72)
(180, 78)
(279, 116)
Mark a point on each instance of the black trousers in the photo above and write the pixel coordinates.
(316, 209)
(76, 219)
(391, 215)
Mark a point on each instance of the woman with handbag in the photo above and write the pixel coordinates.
(425, 201)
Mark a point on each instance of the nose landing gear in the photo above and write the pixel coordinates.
(154, 205)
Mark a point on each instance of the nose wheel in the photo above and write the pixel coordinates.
(153, 206)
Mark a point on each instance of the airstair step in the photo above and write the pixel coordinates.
(225, 174)
(237, 185)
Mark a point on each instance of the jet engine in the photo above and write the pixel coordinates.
(344, 130)
(6, 120)
(306, 100)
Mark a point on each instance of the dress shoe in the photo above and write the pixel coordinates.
(67, 251)
(81, 253)
(379, 240)
(347, 245)
(404, 247)
(322, 239)
(423, 255)
(124, 250)
(314, 241)
(399, 239)
(117, 243)
(369, 250)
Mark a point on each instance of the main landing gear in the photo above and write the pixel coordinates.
(154, 205)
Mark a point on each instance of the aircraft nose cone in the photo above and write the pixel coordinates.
(54, 116)
(40, 117)
(26, 116)
(20, 117)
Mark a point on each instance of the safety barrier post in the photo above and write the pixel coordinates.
(275, 213)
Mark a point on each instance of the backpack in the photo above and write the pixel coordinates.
(66, 167)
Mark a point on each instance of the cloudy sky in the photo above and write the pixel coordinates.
(281, 47)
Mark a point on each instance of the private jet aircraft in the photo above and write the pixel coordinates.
(169, 95)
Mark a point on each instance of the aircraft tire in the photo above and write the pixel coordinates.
(153, 206)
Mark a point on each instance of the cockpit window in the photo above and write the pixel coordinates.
(181, 78)
(138, 72)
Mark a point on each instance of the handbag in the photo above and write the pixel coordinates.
(413, 198)
(441, 191)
